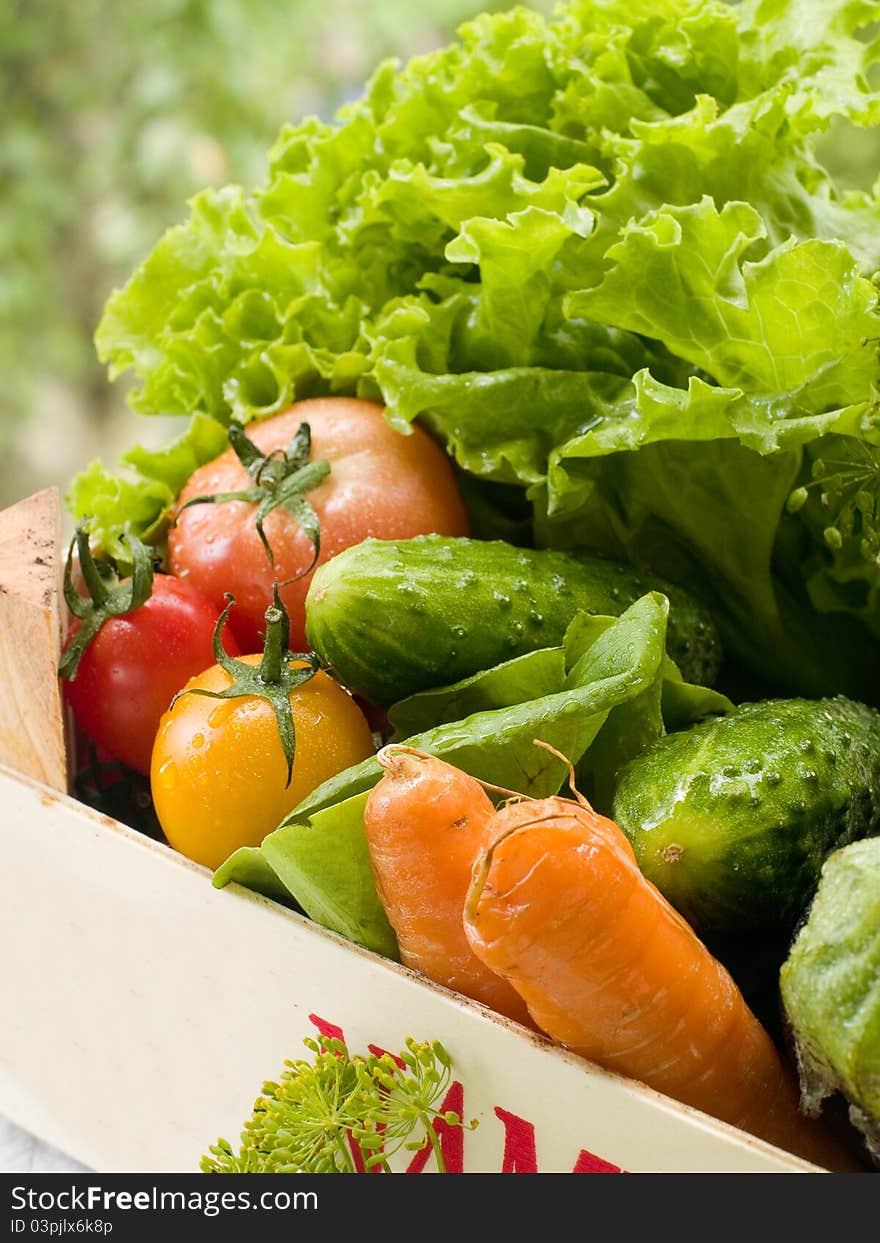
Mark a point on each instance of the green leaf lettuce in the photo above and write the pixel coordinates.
(598, 256)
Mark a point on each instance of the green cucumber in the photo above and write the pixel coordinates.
(391, 618)
(831, 989)
(733, 818)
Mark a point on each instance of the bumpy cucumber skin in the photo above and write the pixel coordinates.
(395, 617)
(733, 818)
(830, 986)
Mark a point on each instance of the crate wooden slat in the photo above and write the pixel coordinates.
(31, 717)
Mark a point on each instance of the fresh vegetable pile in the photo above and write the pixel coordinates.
(533, 399)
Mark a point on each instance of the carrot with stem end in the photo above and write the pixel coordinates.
(558, 906)
(425, 823)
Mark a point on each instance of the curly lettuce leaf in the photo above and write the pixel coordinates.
(597, 255)
(173, 464)
(797, 322)
(787, 41)
(113, 506)
(595, 117)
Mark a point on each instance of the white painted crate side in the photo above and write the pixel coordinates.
(142, 1009)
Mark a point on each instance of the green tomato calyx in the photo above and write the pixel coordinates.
(109, 595)
(275, 678)
(281, 479)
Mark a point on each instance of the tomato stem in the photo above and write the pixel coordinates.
(276, 645)
(274, 679)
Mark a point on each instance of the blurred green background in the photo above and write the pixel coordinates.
(112, 115)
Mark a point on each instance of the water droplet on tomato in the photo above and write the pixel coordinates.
(166, 777)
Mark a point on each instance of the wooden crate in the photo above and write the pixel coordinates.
(143, 1008)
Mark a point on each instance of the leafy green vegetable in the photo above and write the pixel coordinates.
(497, 745)
(249, 867)
(321, 862)
(601, 697)
(706, 508)
(598, 256)
(320, 1113)
(531, 676)
(115, 506)
(795, 323)
(790, 41)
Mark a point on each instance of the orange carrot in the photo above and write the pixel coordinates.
(425, 824)
(607, 967)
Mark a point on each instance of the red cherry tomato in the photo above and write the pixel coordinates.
(137, 663)
(381, 484)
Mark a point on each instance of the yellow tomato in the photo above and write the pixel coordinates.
(218, 770)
